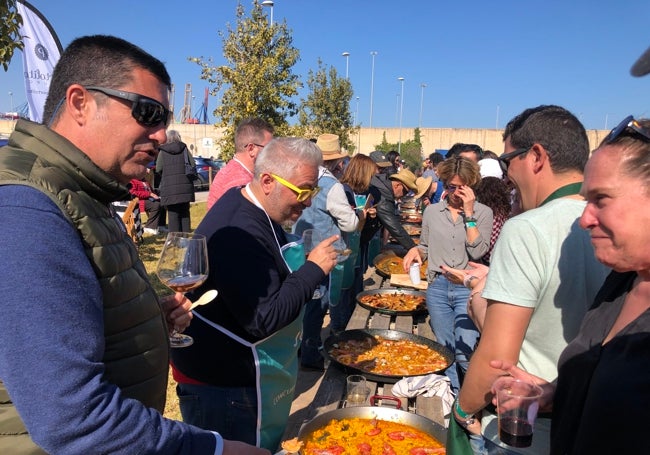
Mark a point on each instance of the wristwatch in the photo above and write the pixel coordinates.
(467, 281)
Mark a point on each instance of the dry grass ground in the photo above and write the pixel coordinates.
(150, 249)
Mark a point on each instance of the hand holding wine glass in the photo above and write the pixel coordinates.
(320, 250)
(183, 266)
(342, 250)
(311, 238)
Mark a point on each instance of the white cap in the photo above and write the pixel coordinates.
(490, 168)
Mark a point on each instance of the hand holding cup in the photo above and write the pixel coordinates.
(517, 406)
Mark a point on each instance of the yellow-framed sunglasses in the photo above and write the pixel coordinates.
(301, 194)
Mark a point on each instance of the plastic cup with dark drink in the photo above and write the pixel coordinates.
(517, 405)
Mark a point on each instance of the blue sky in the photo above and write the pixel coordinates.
(482, 62)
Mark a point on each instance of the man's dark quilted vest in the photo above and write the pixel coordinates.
(138, 365)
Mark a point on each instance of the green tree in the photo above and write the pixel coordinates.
(326, 109)
(385, 146)
(410, 150)
(257, 79)
(10, 39)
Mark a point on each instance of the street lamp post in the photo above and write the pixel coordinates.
(347, 62)
(269, 3)
(397, 108)
(356, 123)
(11, 98)
(356, 113)
(401, 111)
(422, 87)
(372, 83)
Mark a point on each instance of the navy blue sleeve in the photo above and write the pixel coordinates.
(51, 342)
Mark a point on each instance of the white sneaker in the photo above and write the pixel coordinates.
(151, 231)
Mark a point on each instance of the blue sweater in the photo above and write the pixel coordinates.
(52, 344)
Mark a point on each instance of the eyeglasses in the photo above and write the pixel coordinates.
(628, 122)
(144, 110)
(504, 160)
(302, 194)
(451, 188)
(257, 145)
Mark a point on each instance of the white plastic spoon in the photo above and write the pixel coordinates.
(207, 297)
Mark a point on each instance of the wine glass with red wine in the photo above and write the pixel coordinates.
(183, 266)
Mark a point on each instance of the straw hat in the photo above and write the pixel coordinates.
(423, 184)
(406, 177)
(330, 146)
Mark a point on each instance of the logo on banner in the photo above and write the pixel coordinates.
(41, 52)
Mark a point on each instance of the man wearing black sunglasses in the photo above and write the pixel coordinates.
(543, 271)
(84, 348)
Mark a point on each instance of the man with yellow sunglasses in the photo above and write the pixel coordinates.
(302, 194)
(249, 333)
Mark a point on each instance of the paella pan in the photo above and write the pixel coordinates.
(336, 430)
(386, 355)
(386, 265)
(401, 302)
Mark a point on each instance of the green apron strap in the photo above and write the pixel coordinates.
(566, 190)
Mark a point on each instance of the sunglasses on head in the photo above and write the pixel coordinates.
(146, 111)
(302, 194)
(504, 160)
(628, 123)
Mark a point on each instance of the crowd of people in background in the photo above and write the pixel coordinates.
(538, 267)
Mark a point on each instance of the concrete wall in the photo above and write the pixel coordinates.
(432, 138)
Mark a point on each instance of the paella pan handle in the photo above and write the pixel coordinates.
(374, 398)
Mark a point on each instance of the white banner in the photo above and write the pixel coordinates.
(41, 52)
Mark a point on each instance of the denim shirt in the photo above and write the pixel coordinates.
(316, 216)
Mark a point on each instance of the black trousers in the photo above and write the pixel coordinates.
(178, 217)
(153, 209)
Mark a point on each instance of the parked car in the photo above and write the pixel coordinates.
(203, 166)
(207, 169)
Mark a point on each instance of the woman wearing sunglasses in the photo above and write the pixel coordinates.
(455, 230)
(600, 399)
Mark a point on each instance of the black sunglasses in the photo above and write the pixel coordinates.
(628, 123)
(504, 160)
(146, 111)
